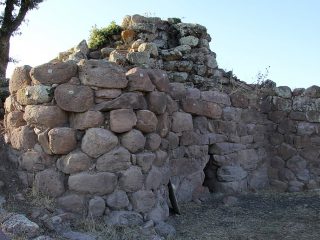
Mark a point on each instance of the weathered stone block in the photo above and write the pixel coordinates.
(239, 100)
(72, 202)
(116, 160)
(231, 173)
(20, 78)
(122, 120)
(74, 98)
(102, 74)
(216, 97)
(225, 148)
(153, 141)
(15, 119)
(138, 80)
(89, 119)
(23, 138)
(198, 107)
(153, 179)
(53, 73)
(145, 160)
(45, 116)
(131, 100)
(74, 162)
(62, 140)
(143, 201)
(283, 91)
(177, 91)
(146, 121)
(117, 200)
(98, 141)
(159, 78)
(181, 122)
(49, 182)
(157, 102)
(98, 183)
(131, 180)
(133, 140)
(33, 95)
(96, 207)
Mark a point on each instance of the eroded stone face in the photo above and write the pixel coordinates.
(20, 78)
(122, 120)
(49, 182)
(45, 116)
(98, 183)
(62, 140)
(102, 74)
(53, 73)
(98, 141)
(74, 98)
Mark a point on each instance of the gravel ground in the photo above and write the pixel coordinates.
(264, 215)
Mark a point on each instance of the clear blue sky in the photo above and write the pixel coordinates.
(247, 35)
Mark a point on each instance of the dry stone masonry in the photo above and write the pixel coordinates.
(103, 131)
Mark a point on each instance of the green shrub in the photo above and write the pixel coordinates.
(103, 36)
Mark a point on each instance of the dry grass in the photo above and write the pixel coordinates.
(98, 228)
(261, 216)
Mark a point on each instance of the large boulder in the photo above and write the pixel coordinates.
(98, 141)
(116, 160)
(131, 180)
(89, 119)
(139, 80)
(143, 201)
(15, 119)
(122, 120)
(74, 162)
(74, 98)
(133, 140)
(33, 95)
(133, 100)
(20, 78)
(49, 182)
(72, 202)
(45, 116)
(97, 183)
(19, 226)
(157, 102)
(53, 73)
(102, 74)
(159, 78)
(202, 108)
(216, 97)
(181, 122)
(231, 173)
(117, 200)
(146, 121)
(62, 140)
(145, 160)
(23, 138)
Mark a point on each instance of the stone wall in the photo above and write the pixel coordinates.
(104, 130)
(295, 141)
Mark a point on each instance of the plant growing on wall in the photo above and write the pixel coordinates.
(100, 37)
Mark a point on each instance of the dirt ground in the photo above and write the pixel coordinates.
(264, 215)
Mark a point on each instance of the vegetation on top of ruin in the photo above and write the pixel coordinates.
(100, 37)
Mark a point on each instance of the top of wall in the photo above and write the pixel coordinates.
(182, 49)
